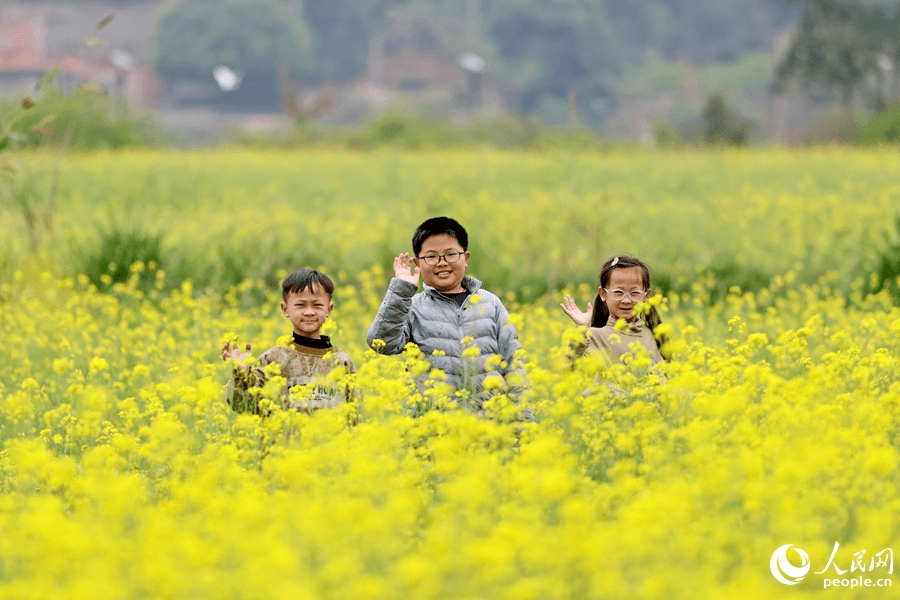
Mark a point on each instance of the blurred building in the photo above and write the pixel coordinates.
(27, 54)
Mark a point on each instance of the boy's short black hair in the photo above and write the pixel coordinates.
(298, 281)
(437, 226)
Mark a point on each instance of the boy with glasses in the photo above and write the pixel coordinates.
(453, 306)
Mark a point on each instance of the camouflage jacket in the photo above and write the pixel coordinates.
(304, 369)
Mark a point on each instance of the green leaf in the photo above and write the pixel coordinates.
(49, 77)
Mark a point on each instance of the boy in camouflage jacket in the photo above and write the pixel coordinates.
(304, 362)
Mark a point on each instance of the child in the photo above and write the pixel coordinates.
(307, 358)
(624, 282)
(452, 307)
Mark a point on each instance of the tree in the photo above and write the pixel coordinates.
(701, 31)
(722, 125)
(341, 30)
(834, 50)
(546, 49)
(248, 36)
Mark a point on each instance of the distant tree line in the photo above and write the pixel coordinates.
(541, 51)
(844, 51)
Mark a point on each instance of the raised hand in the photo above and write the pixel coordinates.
(582, 319)
(406, 269)
(231, 353)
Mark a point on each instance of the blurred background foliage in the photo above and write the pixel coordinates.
(574, 61)
(540, 49)
(83, 118)
(796, 71)
(218, 218)
(252, 37)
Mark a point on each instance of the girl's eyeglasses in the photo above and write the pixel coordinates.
(636, 295)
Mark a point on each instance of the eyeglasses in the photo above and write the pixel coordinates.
(636, 295)
(433, 259)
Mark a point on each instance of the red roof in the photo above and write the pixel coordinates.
(21, 35)
(23, 49)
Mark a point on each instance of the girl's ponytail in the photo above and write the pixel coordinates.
(600, 314)
(652, 319)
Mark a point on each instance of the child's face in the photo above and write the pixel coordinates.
(307, 310)
(623, 280)
(445, 276)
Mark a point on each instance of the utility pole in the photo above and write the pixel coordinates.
(472, 21)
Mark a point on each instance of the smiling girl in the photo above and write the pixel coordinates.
(624, 284)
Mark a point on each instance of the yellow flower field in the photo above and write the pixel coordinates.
(537, 221)
(123, 474)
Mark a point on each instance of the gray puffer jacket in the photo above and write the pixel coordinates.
(434, 321)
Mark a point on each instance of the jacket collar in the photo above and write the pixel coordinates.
(470, 284)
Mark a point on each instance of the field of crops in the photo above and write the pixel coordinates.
(123, 474)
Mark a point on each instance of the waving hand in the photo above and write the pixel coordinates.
(582, 319)
(406, 269)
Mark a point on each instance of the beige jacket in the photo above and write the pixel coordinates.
(616, 344)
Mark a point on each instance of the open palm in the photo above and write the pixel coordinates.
(406, 269)
(581, 318)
